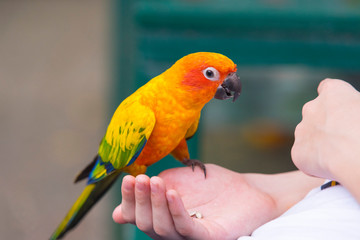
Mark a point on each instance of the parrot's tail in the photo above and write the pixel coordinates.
(91, 194)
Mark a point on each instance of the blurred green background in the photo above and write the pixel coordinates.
(66, 65)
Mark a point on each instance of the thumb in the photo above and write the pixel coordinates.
(117, 215)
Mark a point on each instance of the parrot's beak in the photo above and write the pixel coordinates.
(230, 88)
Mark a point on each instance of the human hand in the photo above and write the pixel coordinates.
(327, 139)
(230, 205)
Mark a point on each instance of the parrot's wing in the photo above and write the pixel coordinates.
(126, 136)
(193, 128)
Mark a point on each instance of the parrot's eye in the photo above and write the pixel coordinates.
(211, 73)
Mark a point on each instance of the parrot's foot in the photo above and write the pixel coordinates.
(193, 163)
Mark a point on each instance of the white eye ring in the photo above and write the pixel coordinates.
(211, 73)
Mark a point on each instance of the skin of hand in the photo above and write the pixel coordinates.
(327, 140)
(231, 204)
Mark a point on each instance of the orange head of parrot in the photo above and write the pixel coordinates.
(208, 75)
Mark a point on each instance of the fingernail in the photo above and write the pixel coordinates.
(140, 185)
(169, 198)
(127, 187)
(127, 183)
(154, 187)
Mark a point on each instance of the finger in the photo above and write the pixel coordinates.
(143, 211)
(330, 82)
(309, 108)
(324, 84)
(118, 216)
(185, 225)
(162, 221)
(304, 151)
(125, 213)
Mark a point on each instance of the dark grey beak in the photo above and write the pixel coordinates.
(230, 88)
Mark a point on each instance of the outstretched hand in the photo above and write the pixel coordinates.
(230, 203)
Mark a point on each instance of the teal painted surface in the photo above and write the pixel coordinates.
(148, 36)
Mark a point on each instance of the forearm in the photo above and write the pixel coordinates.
(286, 189)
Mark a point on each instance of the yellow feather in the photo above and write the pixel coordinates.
(131, 123)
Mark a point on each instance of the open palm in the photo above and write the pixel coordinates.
(229, 203)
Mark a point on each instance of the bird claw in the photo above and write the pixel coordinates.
(193, 163)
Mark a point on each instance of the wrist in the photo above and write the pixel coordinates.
(348, 176)
(286, 189)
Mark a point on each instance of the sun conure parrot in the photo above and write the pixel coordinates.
(153, 122)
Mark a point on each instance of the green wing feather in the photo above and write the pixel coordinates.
(126, 136)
